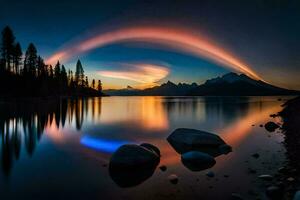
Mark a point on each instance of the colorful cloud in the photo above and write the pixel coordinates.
(174, 38)
(145, 74)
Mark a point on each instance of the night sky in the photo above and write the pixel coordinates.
(264, 35)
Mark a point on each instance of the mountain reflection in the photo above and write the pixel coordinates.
(23, 123)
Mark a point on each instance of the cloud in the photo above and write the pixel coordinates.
(143, 73)
(176, 39)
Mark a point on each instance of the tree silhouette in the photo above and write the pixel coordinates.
(79, 74)
(7, 49)
(17, 57)
(34, 78)
(93, 84)
(30, 62)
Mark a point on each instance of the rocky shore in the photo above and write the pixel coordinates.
(289, 176)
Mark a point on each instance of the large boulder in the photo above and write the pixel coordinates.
(132, 164)
(197, 161)
(184, 140)
(133, 156)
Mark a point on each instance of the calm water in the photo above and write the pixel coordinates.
(61, 149)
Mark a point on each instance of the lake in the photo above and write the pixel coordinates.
(60, 149)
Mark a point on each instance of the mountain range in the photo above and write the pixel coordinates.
(230, 84)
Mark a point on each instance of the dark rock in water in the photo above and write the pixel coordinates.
(132, 164)
(236, 196)
(271, 126)
(151, 147)
(252, 171)
(266, 177)
(274, 192)
(261, 125)
(163, 168)
(197, 161)
(210, 174)
(225, 149)
(290, 179)
(184, 140)
(173, 178)
(279, 99)
(297, 195)
(256, 155)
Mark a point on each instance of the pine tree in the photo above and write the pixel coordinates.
(7, 49)
(17, 57)
(99, 86)
(30, 62)
(57, 71)
(86, 82)
(79, 74)
(93, 84)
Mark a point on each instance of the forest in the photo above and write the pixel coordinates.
(27, 75)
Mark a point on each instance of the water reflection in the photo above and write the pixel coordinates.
(25, 122)
(105, 123)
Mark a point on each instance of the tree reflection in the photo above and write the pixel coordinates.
(25, 122)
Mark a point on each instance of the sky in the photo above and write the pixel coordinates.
(142, 43)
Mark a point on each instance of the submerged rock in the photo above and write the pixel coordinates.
(256, 155)
(184, 140)
(163, 168)
(173, 178)
(210, 174)
(132, 164)
(197, 161)
(271, 126)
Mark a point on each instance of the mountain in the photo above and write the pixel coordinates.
(230, 84)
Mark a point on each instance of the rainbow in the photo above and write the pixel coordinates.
(175, 38)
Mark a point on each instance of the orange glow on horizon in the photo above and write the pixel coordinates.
(174, 38)
(146, 74)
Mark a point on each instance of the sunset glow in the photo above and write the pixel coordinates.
(174, 38)
(146, 74)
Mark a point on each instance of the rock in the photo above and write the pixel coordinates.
(282, 169)
(236, 196)
(197, 161)
(290, 179)
(261, 125)
(133, 156)
(251, 171)
(225, 149)
(271, 126)
(274, 192)
(151, 147)
(184, 140)
(173, 178)
(273, 115)
(279, 99)
(297, 195)
(163, 168)
(256, 155)
(266, 177)
(132, 164)
(210, 174)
